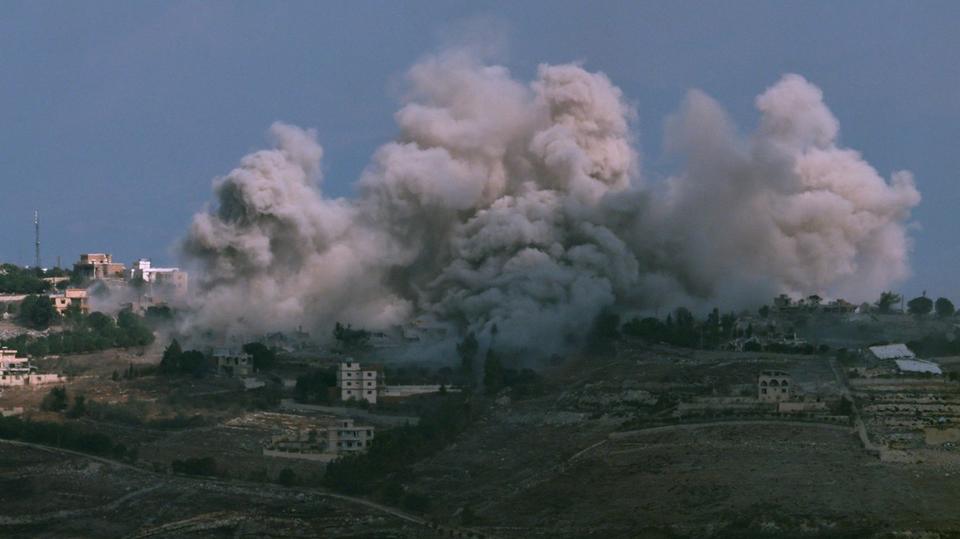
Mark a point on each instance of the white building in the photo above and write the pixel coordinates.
(174, 278)
(358, 383)
(17, 371)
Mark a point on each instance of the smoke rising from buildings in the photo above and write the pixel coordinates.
(523, 206)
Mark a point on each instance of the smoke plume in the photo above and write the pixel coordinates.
(521, 206)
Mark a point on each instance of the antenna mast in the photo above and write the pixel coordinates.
(36, 244)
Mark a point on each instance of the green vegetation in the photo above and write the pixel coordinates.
(468, 350)
(887, 301)
(205, 466)
(944, 307)
(393, 452)
(90, 333)
(176, 361)
(350, 339)
(55, 400)
(497, 377)
(263, 357)
(317, 386)
(17, 280)
(604, 333)
(287, 477)
(37, 312)
(920, 306)
(63, 435)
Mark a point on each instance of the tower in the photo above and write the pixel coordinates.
(36, 244)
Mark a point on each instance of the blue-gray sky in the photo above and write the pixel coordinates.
(115, 116)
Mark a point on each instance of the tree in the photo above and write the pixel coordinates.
(920, 306)
(603, 334)
(467, 350)
(765, 311)
(350, 338)
(170, 362)
(17, 280)
(944, 307)
(263, 357)
(193, 362)
(37, 312)
(55, 400)
(79, 408)
(887, 301)
(493, 378)
(287, 477)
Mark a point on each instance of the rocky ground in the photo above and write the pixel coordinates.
(562, 465)
(47, 494)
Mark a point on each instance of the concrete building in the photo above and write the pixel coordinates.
(17, 371)
(94, 266)
(357, 383)
(233, 362)
(71, 296)
(325, 441)
(173, 278)
(774, 386)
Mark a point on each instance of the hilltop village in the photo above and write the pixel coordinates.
(107, 402)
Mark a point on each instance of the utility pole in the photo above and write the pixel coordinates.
(36, 229)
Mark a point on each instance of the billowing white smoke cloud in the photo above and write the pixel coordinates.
(521, 206)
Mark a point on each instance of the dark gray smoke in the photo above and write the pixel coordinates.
(522, 205)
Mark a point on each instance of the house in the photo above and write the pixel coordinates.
(323, 441)
(232, 362)
(94, 266)
(71, 296)
(774, 386)
(17, 371)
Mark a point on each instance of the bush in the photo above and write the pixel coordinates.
(57, 435)
(196, 466)
(55, 400)
(37, 312)
(287, 477)
(394, 450)
(416, 502)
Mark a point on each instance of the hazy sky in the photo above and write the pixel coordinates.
(114, 117)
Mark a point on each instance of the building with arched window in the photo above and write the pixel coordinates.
(774, 386)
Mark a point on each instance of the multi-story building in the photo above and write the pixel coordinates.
(359, 383)
(71, 296)
(17, 371)
(323, 441)
(172, 278)
(94, 266)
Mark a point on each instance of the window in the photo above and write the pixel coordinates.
(763, 391)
